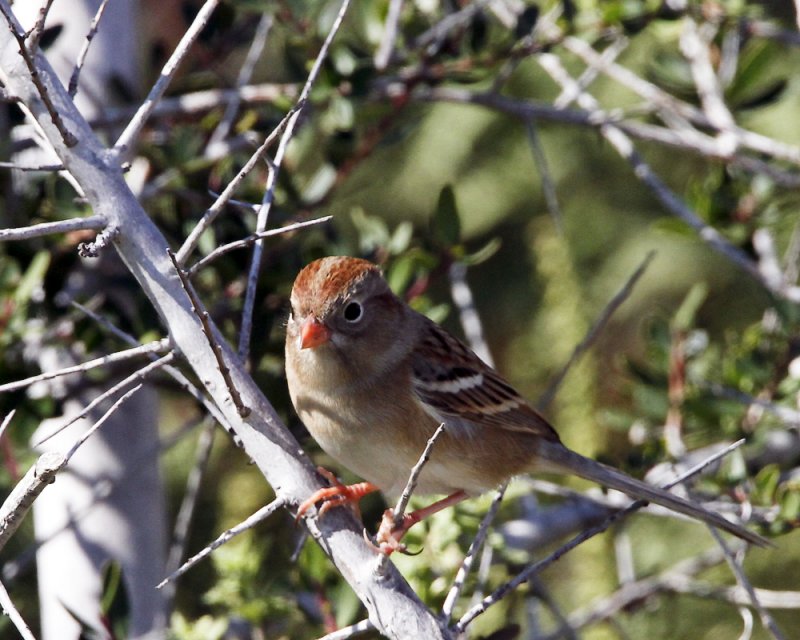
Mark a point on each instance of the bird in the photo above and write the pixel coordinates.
(372, 379)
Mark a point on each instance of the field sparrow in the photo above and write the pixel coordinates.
(372, 379)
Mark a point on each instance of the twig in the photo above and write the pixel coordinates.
(671, 201)
(621, 296)
(548, 185)
(92, 249)
(175, 373)
(568, 95)
(204, 318)
(76, 72)
(272, 180)
(42, 167)
(28, 56)
(605, 607)
(737, 595)
(199, 101)
(126, 141)
(216, 208)
(250, 240)
(95, 223)
(263, 513)
(106, 324)
(384, 53)
(467, 313)
(245, 73)
(91, 430)
(695, 48)
(413, 478)
(469, 559)
(766, 618)
(668, 103)
(35, 34)
(42, 473)
(120, 356)
(188, 504)
(349, 632)
(141, 374)
(11, 611)
(462, 297)
(533, 569)
(6, 421)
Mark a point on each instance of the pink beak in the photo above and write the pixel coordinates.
(313, 333)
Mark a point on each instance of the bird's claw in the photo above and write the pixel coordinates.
(336, 495)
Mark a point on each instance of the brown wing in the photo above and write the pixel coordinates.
(455, 384)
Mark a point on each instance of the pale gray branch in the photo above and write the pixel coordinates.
(11, 611)
(95, 223)
(262, 514)
(126, 142)
(121, 356)
(498, 594)
(392, 605)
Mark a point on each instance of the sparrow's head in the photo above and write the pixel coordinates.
(342, 300)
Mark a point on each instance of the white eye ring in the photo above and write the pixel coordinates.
(353, 312)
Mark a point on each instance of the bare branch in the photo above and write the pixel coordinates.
(91, 430)
(393, 607)
(744, 583)
(262, 514)
(33, 66)
(189, 502)
(548, 186)
(35, 34)
(250, 240)
(245, 73)
(120, 356)
(474, 546)
(126, 142)
(695, 47)
(6, 421)
(199, 101)
(11, 611)
(384, 53)
(139, 375)
(272, 180)
(621, 296)
(42, 473)
(349, 632)
(216, 208)
(204, 317)
(42, 167)
(73, 80)
(176, 374)
(468, 314)
(498, 594)
(95, 222)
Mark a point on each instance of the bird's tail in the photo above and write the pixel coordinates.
(556, 457)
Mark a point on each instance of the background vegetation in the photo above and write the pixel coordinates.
(551, 221)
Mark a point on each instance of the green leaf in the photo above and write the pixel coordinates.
(445, 224)
(33, 278)
(790, 506)
(685, 315)
(766, 484)
(482, 254)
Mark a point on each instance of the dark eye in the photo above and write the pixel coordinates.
(353, 312)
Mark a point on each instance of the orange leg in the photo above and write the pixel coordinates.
(337, 495)
(389, 534)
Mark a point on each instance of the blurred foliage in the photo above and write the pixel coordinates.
(417, 186)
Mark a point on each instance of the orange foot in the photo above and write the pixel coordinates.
(387, 540)
(337, 495)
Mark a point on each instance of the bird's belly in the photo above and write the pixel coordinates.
(380, 451)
